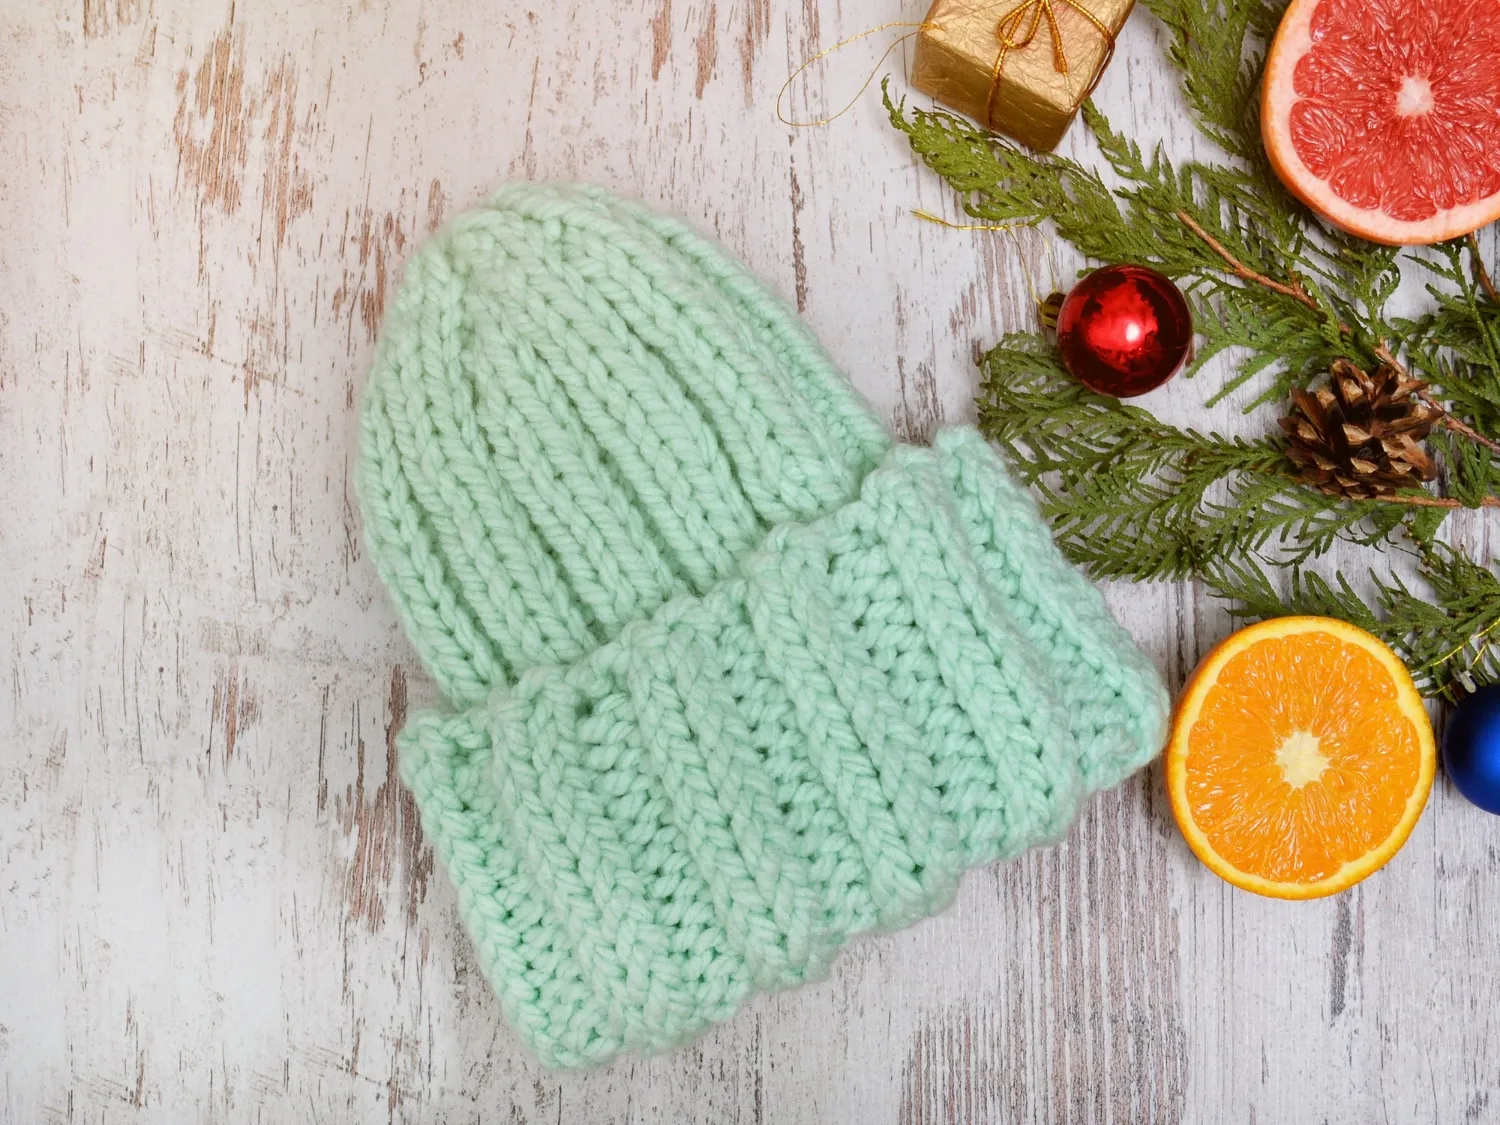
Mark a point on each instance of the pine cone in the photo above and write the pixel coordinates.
(1359, 436)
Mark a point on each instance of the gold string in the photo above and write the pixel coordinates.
(928, 216)
(919, 28)
(1010, 229)
(1478, 655)
(1010, 23)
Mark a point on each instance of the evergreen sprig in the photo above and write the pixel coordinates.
(1280, 296)
(1131, 497)
(1448, 635)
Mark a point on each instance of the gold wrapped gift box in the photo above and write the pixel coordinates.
(1019, 68)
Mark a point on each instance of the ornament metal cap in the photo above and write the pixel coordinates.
(1048, 308)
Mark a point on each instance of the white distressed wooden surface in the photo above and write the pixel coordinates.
(216, 902)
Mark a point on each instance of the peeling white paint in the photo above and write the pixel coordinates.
(215, 905)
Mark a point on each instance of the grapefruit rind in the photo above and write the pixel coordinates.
(1278, 95)
(1190, 704)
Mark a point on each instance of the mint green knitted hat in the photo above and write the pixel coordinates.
(733, 677)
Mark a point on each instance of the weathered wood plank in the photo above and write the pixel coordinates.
(217, 903)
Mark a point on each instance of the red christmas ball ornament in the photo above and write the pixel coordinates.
(1124, 330)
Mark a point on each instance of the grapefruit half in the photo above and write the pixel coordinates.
(1383, 116)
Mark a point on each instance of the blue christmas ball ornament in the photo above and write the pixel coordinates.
(1471, 748)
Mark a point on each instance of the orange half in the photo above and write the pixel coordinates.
(1301, 757)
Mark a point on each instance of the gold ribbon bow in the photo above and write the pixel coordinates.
(1008, 32)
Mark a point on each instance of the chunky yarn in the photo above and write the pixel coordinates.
(733, 677)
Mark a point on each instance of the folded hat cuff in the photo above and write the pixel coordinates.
(713, 802)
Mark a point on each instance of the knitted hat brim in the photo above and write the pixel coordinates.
(717, 800)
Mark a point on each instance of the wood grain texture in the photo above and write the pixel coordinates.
(217, 904)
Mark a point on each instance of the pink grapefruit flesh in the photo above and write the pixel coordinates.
(1383, 116)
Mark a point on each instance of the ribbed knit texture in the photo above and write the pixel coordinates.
(733, 677)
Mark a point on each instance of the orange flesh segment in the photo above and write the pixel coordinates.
(1313, 709)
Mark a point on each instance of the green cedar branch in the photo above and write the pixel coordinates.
(1280, 296)
(1447, 635)
(1129, 496)
(1381, 350)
